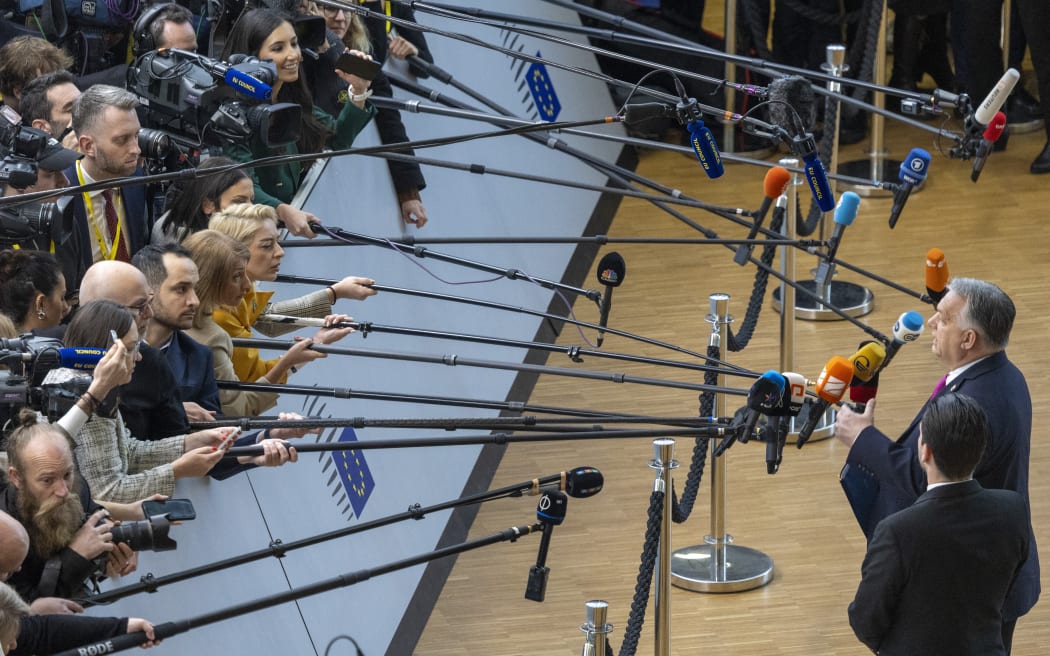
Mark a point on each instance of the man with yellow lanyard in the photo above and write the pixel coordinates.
(108, 224)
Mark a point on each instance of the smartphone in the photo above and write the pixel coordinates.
(177, 510)
(362, 68)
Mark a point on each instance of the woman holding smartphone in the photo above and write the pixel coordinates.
(265, 34)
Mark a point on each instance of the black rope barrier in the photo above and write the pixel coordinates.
(680, 510)
(740, 340)
(643, 584)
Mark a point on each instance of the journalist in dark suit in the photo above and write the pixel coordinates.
(936, 574)
(969, 332)
(107, 128)
(78, 246)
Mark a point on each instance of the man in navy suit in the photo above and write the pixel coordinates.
(937, 573)
(171, 273)
(970, 331)
(108, 224)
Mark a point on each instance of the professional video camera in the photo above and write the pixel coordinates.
(23, 151)
(42, 375)
(94, 33)
(21, 147)
(202, 101)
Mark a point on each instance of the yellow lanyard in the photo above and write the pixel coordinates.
(112, 255)
(386, 7)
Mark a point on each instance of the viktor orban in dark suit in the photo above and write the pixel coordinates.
(969, 332)
(936, 574)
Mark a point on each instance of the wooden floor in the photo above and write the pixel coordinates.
(799, 517)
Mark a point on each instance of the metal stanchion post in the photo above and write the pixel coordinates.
(730, 68)
(826, 428)
(834, 64)
(787, 268)
(596, 628)
(876, 166)
(664, 463)
(856, 300)
(718, 565)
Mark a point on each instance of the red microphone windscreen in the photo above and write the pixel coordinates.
(862, 393)
(776, 179)
(835, 379)
(995, 128)
(936, 270)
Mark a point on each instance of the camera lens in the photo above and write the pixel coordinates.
(154, 144)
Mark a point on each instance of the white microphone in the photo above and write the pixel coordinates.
(995, 99)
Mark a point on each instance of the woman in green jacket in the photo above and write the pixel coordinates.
(265, 34)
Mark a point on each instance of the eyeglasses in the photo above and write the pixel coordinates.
(143, 307)
(332, 12)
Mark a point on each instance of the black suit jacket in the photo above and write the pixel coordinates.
(1000, 388)
(151, 409)
(75, 254)
(936, 574)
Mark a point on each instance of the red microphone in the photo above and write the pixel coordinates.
(988, 139)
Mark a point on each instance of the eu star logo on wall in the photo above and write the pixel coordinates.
(542, 90)
(352, 471)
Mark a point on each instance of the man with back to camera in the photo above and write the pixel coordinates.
(936, 573)
(969, 331)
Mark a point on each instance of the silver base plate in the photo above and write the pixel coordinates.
(825, 428)
(745, 569)
(1023, 128)
(854, 300)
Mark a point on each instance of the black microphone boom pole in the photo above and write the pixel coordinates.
(399, 397)
(445, 423)
(496, 438)
(169, 629)
(423, 252)
(453, 360)
(325, 282)
(580, 482)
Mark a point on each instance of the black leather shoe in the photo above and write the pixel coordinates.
(1021, 107)
(1042, 162)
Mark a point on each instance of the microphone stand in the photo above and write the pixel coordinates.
(453, 360)
(278, 549)
(169, 629)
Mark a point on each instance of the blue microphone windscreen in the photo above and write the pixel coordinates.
(846, 211)
(915, 167)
